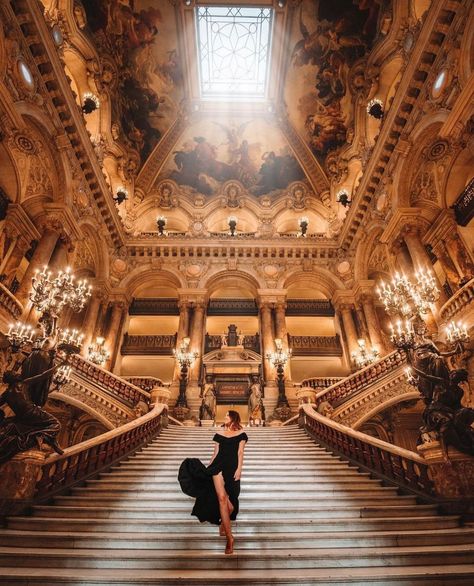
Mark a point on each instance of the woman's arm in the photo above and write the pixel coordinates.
(238, 472)
(216, 449)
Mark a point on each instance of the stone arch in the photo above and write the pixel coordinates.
(365, 250)
(58, 396)
(142, 275)
(320, 278)
(424, 134)
(221, 276)
(406, 396)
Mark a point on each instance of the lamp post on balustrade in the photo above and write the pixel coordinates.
(279, 358)
(185, 360)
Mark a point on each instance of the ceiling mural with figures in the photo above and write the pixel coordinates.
(327, 40)
(251, 151)
(141, 37)
(168, 129)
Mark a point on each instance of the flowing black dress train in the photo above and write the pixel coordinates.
(196, 479)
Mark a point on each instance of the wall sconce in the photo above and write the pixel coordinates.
(121, 196)
(375, 109)
(303, 224)
(343, 199)
(90, 103)
(161, 222)
(232, 222)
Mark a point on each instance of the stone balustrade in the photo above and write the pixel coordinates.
(213, 342)
(320, 382)
(148, 345)
(117, 387)
(10, 303)
(315, 345)
(346, 388)
(147, 383)
(460, 301)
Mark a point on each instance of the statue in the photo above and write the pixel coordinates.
(30, 425)
(255, 402)
(207, 411)
(444, 416)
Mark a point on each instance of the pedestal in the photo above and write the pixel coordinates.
(181, 413)
(306, 395)
(160, 395)
(453, 477)
(18, 478)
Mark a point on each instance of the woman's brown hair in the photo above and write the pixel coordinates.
(234, 420)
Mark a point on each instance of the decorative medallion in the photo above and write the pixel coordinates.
(25, 144)
(438, 150)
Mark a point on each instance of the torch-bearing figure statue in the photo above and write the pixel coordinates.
(444, 418)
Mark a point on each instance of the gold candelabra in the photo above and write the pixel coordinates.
(363, 356)
(97, 352)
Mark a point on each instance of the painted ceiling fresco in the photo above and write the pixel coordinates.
(141, 37)
(251, 151)
(327, 39)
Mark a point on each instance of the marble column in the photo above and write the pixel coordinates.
(450, 270)
(266, 335)
(40, 258)
(183, 330)
(90, 320)
(460, 255)
(282, 332)
(349, 327)
(59, 259)
(197, 340)
(113, 338)
(15, 253)
(402, 258)
(373, 324)
(421, 260)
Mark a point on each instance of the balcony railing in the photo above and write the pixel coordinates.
(10, 303)
(315, 345)
(215, 342)
(460, 301)
(146, 383)
(148, 345)
(152, 306)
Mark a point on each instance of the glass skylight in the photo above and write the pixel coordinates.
(234, 49)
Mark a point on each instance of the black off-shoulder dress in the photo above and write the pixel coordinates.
(196, 479)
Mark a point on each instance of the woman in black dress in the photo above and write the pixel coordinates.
(217, 501)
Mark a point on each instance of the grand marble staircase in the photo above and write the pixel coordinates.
(307, 517)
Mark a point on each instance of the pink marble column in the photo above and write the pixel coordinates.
(197, 339)
(266, 334)
(113, 337)
(349, 326)
(373, 324)
(40, 258)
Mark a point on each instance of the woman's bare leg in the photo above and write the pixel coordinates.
(230, 506)
(223, 498)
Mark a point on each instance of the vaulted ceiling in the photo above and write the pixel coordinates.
(306, 120)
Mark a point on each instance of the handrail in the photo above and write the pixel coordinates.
(88, 458)
(363, 377)
(10, 302)
(146, 383)
(321, 382)
(112, 383)
(407, 469)
(462, 298)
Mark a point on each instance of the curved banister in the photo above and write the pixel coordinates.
(88, 458)
(463, 298)
(146, 383)
(362, 378)
(10, 302)
(403, 467)
(112, 383)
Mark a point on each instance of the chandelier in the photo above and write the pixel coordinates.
(402, 334)
(51, 295)
(183, 355)
(97, 353)
(19, 335)
(408, 299)
(363, 357)
(279, 357)
(456, 332)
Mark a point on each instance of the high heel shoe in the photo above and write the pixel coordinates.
(229, 548)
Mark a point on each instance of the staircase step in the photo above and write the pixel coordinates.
(140, 512)
(456, 575)
(253, 560)
(151, 525)
(255, 536)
